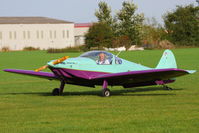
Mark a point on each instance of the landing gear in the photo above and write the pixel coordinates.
(168, 88)
(106, 92)
(59, 91)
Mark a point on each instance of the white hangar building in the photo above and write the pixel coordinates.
(80, 30)
(19, 32)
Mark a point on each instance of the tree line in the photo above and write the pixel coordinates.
(127, 27)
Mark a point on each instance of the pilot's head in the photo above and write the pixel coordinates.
(102, 56)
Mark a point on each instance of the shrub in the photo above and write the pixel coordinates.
(165, 44)
(30, 49)
(68, 49)
(5, 49)
(121, 41)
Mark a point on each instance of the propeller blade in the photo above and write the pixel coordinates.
(41, 68)
(60, 60)
(54, 63)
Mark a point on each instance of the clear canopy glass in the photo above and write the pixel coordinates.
(106, 60)
(95, 55)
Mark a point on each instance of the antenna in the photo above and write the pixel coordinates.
(118, 53)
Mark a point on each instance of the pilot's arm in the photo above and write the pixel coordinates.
(106, 62)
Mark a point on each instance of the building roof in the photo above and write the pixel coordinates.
(83, 25)
(31, 20)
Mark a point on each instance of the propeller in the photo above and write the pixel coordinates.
(54, 63)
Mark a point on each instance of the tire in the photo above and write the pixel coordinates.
(56, 92)
(106, 92)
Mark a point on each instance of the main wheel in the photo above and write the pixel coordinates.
(106, 92)
(56, 92)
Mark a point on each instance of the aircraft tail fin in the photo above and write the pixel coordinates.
(167, 60)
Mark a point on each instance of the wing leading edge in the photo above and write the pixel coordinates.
(45, 75)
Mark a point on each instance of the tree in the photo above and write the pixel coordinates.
(153, 32)
(197, 2)
(130, 23)
(183, 25)
(104, 14)
(125, 24)
(99, 35)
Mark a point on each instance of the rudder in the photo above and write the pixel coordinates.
(167, 60)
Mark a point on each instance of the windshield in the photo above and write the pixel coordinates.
(100, 57)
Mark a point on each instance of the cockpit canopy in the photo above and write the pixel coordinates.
(95, 55)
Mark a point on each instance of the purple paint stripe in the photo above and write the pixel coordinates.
(162, 82)
(30, 72)
(139, 72)
(81, 73)
(100, 75)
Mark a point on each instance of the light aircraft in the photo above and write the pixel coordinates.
(103, 68)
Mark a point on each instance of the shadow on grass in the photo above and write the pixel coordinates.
(124, 92)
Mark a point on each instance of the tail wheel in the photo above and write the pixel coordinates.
(106, 92)
(56, 92)
(167, 88)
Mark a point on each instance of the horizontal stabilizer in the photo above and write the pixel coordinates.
(191, 71)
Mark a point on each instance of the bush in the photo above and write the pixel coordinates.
(165, 44)
(121, 41)
(5, 49)
(30, 49)
(96, 48)
(68, 49)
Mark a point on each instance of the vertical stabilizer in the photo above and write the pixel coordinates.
(167, 60)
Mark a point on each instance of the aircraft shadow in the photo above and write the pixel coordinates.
(122, 92)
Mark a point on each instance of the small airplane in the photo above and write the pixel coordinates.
(103, 68)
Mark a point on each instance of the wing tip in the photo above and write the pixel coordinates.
(191, 71)
(7, 70)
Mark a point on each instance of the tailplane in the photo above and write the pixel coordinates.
(167, 60)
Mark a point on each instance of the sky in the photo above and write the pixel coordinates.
(82, 11)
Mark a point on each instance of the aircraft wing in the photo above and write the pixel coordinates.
(45, 75)
(141, 76)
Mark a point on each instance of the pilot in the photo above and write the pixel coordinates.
(102, 59)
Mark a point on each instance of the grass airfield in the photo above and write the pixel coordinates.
(26, 104)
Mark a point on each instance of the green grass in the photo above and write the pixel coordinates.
(26, 104)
